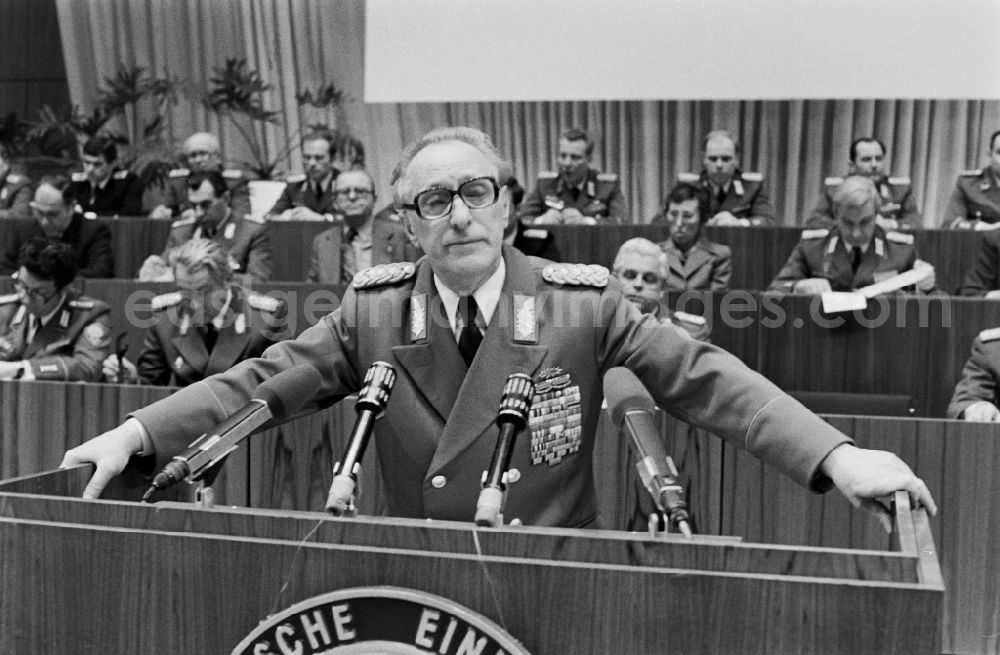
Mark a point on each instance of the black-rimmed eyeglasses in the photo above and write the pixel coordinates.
(477, 193)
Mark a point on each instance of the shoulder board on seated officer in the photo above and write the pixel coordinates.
(833, 181)
(383, 274)
(78, 177)
(899, 237)
(547, 175)
(990, 335)
(295, 178)
(752, 177)
(253, 219)
(691, 178)
(694, 319)
(165, 300)
(120, 175)
(182, 222)
(81, 303)
(263, 303)
(580, 275)
(232, 173)
(818, 233)
(178, 172)
(609, 178)
(8, 298)
(899, 181)
(973, 172)
(535, 233)
(16, 178)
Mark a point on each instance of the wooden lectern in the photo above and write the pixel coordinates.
(116, 576)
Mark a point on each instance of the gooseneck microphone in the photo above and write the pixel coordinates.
(512, 418)
(372, 400)
(276, 398)
(631, 409)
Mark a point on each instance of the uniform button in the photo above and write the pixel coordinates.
(513, 476)
(438, 481)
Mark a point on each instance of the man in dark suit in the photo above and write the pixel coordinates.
(15, 190)
(468, 315)
(48, 331)
(359, 240)
(102, 188)
(208, 326)
(56, 219)
(310, 195)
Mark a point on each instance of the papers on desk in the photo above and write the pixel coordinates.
(848, 301)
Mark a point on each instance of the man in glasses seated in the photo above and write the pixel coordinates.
(694, 262)
(362, 240)
(309, 196)
(48, 331)
(642, 268)
(202, 153)
(56, 219)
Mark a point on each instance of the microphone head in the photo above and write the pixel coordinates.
(374, 395)
(625, 393)
(288, 391)
(516, 399)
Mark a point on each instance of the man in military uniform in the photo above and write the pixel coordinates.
(531, 240)
(202, 153)
(642, 269)
(212, 217)
(857, 253)
(734, 197)
(975, 397)
(101, 188)
(48, 331)
(577, 194)
(208, 326)
(975, 202)
(309, 196)
(362, 240)
(897, 209)
(982, 280)
(15, 190)
(694, 262)
(468, 315)
(57, 220)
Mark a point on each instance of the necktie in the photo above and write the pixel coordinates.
(211, 335)
(469, 336)
(855, 259)
(720, 196)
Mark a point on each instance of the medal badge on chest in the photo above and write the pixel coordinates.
(555, 420)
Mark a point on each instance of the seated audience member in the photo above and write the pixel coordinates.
(694, 261)
(898, 209)
(982, 280)
(57, 220)
(102, 188)
(975, 202)
(734, 197)
(202, 154)
(208, 326)
(534, 241)
(855, 253)
(309, 196)
(576, 194)
(975, 397)
(48, 331)
(212, 217)
(641, 267)
(362, 241)
(15, 190)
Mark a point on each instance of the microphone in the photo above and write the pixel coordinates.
(276, 398)
(512, 418)
(370, 406)
(632, 407)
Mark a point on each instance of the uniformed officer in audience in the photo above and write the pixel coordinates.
(576, 194)
(15, 189)
(734, 197)
(102, 188)
(207, 326)
(202, 153)
(464, 318)
(48, 330)
(359, 240)
(694, 262)
(309, 196)
(898, 209)
(642, 268)
(976, 396)
(975, 202)
(531, 240)
(855, 253)
(56, 219)
(982, 279)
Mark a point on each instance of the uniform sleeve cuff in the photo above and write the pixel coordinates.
(147, 442)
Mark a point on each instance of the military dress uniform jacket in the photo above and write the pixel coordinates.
(565, 328)
(120, 195)
(984, 276)
(15, 194)
(71, 346)
(299, 193)
(90, 239)
(245, 238)
(600, 197)
(389, 244)
(976, 198)
(174, 352)
(897, 203)
(822, 254)
(980, 376)
(175, 194)
(746, 197)
(707, 265)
